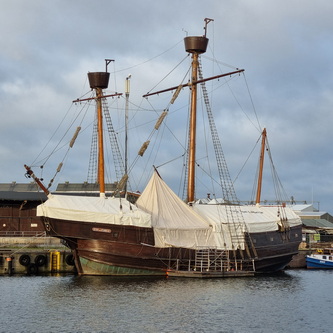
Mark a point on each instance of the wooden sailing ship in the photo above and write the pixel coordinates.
(161, 234)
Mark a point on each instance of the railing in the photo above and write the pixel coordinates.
(213, 260)
(23, 234)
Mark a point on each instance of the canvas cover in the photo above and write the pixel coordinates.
(211, 225)
(93, 209)
(257, 218)
(174, 222)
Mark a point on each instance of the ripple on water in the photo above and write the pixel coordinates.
(281, 303)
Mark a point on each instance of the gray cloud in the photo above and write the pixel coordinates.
(285, 47)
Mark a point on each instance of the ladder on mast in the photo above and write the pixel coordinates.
(117, 158)
(236, 223)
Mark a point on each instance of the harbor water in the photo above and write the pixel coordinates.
(294, 301)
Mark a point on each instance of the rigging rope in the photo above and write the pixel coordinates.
(162, 116)
(144, 62)
(58, 146)
(258, 126)
(153, 88)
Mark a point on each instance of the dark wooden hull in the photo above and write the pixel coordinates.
(102, 249)
(275, 249)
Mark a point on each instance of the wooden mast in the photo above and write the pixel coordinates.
(127, 93)
(195, 45)
(193, 127)
(99, 81)
(261, 165)
(101, 171)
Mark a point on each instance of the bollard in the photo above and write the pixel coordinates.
(55, 261)
(10, 265)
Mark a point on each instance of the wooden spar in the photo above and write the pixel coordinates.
(36, 179)
(194, 83)
(90, 98)
(192, 139)
(261, 165)
(101, 172)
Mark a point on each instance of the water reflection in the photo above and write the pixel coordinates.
(277, 303)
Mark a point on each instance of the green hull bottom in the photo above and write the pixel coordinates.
(95, 268)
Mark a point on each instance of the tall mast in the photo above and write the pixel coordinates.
(193, 130)
(101, 171)
(99, 81)
(261, 165)
(127, 93)
(195, 45)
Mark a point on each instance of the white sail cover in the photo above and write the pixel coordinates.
(206, 225)
(93, 209)
(174, 223)
(228, 225)
(257, 218)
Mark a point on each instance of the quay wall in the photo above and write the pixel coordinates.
(31, 242)
(47, 255)
(34, 256)
(299, 260)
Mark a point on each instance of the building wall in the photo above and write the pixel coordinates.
(17, 219)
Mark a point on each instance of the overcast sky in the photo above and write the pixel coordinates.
(285, 47)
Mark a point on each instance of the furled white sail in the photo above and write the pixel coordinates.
(174, 222)
(93, 209)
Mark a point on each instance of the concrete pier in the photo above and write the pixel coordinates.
(34, 256)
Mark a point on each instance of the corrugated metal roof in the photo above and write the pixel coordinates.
(303, 208)
(317, 223)
(20, 192)
(309, 214)
(21, 196)
(31, 192)
(63, 187)
(19, 187)
(83, 187)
